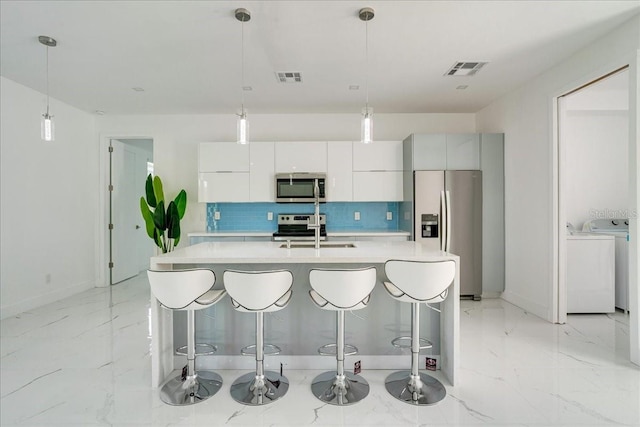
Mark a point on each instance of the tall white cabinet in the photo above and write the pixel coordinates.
(483, 152)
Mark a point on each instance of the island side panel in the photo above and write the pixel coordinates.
(161, 336)
(450, 330)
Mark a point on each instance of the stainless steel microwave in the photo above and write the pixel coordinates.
(299, 187)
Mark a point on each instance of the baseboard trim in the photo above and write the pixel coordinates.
(272, 363)
(526, 304)
(41, 299)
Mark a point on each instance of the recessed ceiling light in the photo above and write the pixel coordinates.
(462, 87)
(138, 89)
(354, 87)
(247, 88)
(99, 112)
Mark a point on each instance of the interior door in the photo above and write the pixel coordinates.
(126, 219)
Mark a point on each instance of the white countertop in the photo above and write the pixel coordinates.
(272, 253)
(340, 233)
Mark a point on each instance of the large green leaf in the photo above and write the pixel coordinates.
(148, 217)
(173, 222)
(148, 189)
(157, 189)
(181, 203)
(157, 237)
(159, 217)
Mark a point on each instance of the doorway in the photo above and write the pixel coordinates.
(593, 179)
(130, 161)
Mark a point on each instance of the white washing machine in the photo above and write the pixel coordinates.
(590, 273)
(619, 228)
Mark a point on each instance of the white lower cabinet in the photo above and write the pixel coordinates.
(194, 240)
(380, 238)
(223, 187)
(384, 186)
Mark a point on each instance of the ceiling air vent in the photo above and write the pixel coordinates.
(289, 76)
(467, 68)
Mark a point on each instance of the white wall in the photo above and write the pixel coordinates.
(48, 201)
(526, 117)
(597, 179)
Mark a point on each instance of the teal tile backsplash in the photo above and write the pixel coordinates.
(340, 215)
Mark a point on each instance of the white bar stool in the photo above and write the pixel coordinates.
(187, 290)
(417, 282)
(340, 290)
(259, 292)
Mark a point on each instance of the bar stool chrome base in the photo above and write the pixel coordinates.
(251, 389)
(200, 350)
(331, 388)
(418, 390)
(179, 392)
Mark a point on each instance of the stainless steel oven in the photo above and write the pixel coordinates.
(294, 227)
(299, 187)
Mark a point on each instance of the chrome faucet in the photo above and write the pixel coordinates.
(316, 215)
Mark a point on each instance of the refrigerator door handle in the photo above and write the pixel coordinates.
(447, 197)
(443, 220)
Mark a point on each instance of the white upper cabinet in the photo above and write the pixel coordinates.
(381, 186)
(301, 157)
(339, 174)
(223, 157)
(214, 187)
(261, 172)
(378, 156)
(429, 152)
(439, 151)
(463, 151)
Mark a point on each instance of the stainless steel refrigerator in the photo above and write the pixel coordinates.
(447, 215)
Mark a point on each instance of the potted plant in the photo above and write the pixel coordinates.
(163, 225)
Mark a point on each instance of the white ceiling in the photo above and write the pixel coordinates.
(186, 54)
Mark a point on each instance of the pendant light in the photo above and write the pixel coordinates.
(47, 131)
(366, 14)
(242, 15)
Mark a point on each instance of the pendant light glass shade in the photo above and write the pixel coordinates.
(47, 128)
(366, 129)
(243, 128)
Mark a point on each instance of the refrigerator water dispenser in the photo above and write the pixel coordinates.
(430, 225)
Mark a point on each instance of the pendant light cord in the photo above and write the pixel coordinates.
(366, 50)
(47, 81)
(242, 66)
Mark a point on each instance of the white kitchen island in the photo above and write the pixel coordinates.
(300, 326)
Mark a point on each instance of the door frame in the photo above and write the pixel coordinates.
(102, 232)
(558, 289)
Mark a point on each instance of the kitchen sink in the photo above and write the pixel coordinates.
(308, 245)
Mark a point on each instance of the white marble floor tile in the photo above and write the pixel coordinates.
(85, 361)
